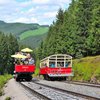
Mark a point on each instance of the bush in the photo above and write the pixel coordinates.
(8, 98)
(3, 80)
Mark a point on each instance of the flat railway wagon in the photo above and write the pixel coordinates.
(58, 66)
(24, 72)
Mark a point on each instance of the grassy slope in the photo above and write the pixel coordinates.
(34, 41)
(16, 28)
(87, 69)
(39, 31)
(3, 80)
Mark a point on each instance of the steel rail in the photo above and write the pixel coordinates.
(84, 84)
(37, 94)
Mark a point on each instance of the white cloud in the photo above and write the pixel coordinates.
(26, 20)
(7, 2)
(2, 2)
(25, 4)
(44, 23)
(31, 11)
(50, 14)
(40, 1)
(64, 1)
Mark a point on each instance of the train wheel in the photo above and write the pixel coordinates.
(46, 77)
(64, 78)
(17, 79)
(59, 79)
(52, 79)
(28, 79)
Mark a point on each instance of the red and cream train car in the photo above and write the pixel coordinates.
(57, 66)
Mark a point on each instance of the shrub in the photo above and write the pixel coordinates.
(3, 80)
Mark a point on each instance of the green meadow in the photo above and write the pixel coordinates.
(87, 69)
(39, 31)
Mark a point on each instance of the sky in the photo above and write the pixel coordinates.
(42, 12)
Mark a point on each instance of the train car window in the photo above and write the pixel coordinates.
(60, 64)
(43, 65)
(67, 63)
(52, 64)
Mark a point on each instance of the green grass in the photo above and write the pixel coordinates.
(37, 71)
(36, 32)
(87, 69)
(33, 41)
(8, 98)
(3, 80)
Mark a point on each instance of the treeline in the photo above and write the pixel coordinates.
(76, 31)
(8, 46)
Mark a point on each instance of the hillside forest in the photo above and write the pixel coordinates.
(76, 31)
(8, 46)
(27, 34)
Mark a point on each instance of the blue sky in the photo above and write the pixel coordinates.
(31, 11)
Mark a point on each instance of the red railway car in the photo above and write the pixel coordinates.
(57, 66)
(24, 72)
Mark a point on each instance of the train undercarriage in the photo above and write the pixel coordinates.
(23, 77)
(47, 77)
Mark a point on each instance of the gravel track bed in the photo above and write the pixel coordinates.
(85, 90)
(84, 84)
(51, 93)
(31, 95)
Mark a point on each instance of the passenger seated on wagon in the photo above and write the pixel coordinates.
(52, 65)
(30, 59)
(67, 64)
(60, 64)
(18, 61)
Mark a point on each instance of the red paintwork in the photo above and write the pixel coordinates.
(48, 70)
(24, 68)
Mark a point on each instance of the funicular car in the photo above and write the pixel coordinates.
(58, 66)
(24, 65)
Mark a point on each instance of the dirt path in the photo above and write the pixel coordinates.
(15, 91)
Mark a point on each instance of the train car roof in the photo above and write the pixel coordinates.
(68, 56)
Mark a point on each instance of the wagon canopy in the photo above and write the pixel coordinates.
(18, 56)
(57, 60)
(26, 50)
(58, 55)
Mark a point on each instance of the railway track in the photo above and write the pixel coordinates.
(33, 92)
(48, 93)
(70, 92)
(84, 84)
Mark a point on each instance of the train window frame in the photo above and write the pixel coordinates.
(62, 58)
